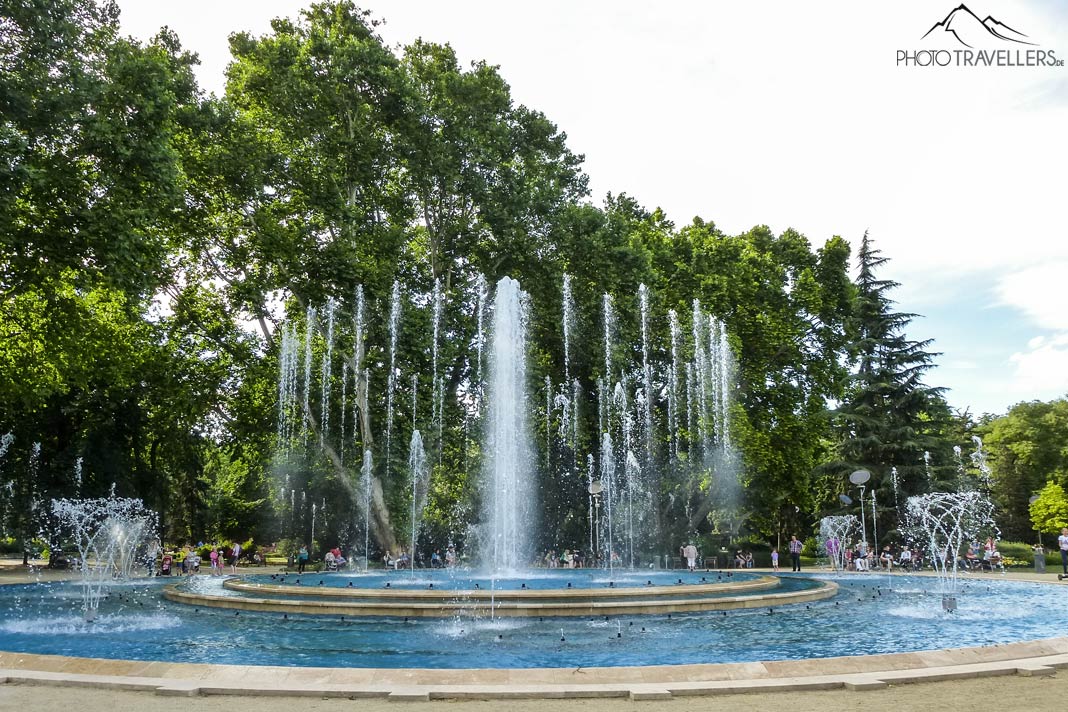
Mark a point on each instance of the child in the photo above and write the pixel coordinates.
(775, 559)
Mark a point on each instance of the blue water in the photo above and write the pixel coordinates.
(864, 618)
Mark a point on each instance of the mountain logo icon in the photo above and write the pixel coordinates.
(970, 31)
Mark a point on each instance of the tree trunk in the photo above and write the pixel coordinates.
(381, 527)
(380, 524)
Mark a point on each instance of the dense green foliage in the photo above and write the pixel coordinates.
(1049, 511)
(1029, 449)
(154, 242)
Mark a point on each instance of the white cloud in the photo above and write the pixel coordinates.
(1038, 292)
(1042, 369)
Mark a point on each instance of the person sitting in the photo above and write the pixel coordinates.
(450, 556)
(991, 556)
(330, 561)
(904, 559)
(402, 560)
(435, 560)
(887, 558)
(860, 558)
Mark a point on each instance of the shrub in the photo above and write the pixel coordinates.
(1016, 551)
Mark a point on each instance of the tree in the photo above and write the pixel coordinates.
(1027, 449)
(1049, 513)
(886, 419)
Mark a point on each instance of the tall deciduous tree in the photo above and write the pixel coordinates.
(1027, 449)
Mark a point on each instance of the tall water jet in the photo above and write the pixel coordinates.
(647, 409)
(633, 472)
(548, 423)
(288, 409)
(5, 443)
(509, 502)
(420, 477)
(568, 309)
(366, 472)
(647, 378)
(328, 357)
(576, 391)
(608, 492)
(593, 497)
(609, 332)
(357, 329)
(359, 396)
(309, 332)
(437, 388)
(691, 416)
(391, 382)
(344, 409)
(700, 370)
(673, 385)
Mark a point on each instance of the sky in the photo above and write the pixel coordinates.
(792, 114)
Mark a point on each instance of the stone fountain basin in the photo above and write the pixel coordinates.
(358, 602)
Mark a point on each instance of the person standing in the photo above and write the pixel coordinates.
(1062, 542)
(795, 553)
(235, 554)
(774, 559)
(302, 558)
(690, 552)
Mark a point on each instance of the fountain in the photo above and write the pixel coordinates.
(945, 522)
(837, 536)
(508, 499)
(656, 409)
(114, 536)
(420, 477)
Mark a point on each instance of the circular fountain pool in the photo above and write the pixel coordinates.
(865, 617)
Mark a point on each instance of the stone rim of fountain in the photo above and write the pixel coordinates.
(530, 603)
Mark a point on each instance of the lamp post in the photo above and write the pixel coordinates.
(859, 478)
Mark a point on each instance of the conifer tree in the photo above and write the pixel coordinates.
(889, 417)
